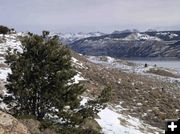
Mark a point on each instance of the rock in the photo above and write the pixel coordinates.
(10, 125)
(92, 124)
(32, 125)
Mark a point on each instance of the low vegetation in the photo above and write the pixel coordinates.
(162, 72)
(4, 30)
(141, 96)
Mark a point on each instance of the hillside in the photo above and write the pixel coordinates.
(138, 91)
(141, 96)
(164, 44)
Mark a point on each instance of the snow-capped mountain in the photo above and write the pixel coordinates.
(169, 34)
(141, 36)
(126, 31)
(71, 37)
(163, 44)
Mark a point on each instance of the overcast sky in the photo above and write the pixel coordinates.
(90, 15)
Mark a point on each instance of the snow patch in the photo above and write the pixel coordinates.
(115, 123)
(78, 78)
(4, 73)
(77, 63)
(171, 35)
(9, 41)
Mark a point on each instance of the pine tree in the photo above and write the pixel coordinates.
(40, 83)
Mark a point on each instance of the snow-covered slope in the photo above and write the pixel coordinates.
(8, 41)
(113, 122)
(170, 35)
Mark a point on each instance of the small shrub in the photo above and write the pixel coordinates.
(4, 30)
(145, 65)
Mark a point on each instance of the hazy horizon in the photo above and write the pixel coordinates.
(90, 15)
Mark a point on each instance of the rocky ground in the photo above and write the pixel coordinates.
(10, 125)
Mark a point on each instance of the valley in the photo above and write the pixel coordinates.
(163, 45)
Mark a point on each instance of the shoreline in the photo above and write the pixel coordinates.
(151, 59)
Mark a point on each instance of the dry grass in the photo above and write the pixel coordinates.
(162, 73)
(158, 104)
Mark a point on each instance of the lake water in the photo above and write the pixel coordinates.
(166, 64)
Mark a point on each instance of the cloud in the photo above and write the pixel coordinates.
(89, 15)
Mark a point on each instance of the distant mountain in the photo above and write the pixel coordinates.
(71, 37)
(140, 36)
(131, 44)
(126, 31)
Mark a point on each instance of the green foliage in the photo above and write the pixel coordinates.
(4, 29)
(40, 85)
(105, 95)
(92, 107)
(40, 76)
(55, 128)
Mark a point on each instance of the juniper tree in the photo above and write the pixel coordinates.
(42, 85)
